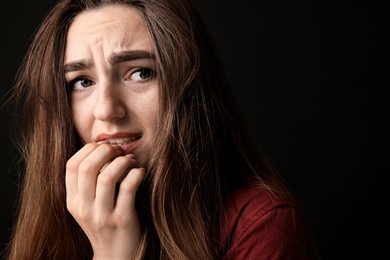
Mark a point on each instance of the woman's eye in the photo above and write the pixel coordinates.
(142, 74)
(80, 84)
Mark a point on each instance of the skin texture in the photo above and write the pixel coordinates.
(117, 99)
(112, 100)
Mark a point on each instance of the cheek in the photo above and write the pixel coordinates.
(151, 114)
(80, 121)
(146, 107)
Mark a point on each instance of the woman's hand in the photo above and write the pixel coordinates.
(110, 221)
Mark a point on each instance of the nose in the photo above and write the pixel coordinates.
(109, 102)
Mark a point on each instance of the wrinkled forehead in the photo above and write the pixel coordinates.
(113, 28)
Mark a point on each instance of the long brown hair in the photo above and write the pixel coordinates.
(203, 149)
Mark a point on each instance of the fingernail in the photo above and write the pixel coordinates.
(131, 156)
(119, 148)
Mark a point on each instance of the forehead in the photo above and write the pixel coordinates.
(111, 28)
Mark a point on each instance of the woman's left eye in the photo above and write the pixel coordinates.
(142, 74)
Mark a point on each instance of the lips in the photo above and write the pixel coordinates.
(127, 142)
(121, 141)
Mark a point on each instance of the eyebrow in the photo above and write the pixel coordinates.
(115, 58)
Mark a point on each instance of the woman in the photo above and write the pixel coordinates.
(134, 147)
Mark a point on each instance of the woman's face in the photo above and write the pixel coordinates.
(109, 66)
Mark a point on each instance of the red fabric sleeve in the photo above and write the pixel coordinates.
(260, 226)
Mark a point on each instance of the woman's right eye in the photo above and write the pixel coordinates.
(80, 84)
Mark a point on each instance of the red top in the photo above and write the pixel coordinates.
(263, 226)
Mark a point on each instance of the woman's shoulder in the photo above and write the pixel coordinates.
(261, 222)
(248, 205)
(256, 200)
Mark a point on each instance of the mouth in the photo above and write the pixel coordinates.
(121, 141)
(125, 143)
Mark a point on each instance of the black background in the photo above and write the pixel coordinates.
(311, 77)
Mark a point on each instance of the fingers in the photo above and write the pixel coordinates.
(90, 167)
(127, 191)
(82, 170)
(108, 179)
(92, 177)
(71, 177)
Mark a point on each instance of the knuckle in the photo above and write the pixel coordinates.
(71, 165)
(100, 222)
(132, 181)
(83, 213)
(128, 187)
(121, 221)
(85, 167)
(106, 180)
(124, 160)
